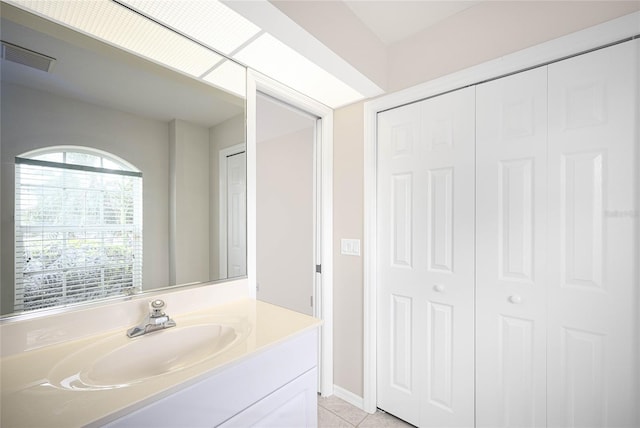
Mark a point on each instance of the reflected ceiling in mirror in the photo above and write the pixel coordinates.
(66, 92)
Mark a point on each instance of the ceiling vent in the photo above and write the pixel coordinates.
(27, 57)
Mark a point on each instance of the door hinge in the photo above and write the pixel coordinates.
(318, 268)
(311, 301)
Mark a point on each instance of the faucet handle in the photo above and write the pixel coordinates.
(157, 308)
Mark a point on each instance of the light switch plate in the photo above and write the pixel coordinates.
(350, 247)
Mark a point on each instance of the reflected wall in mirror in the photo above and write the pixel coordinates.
(118, 175)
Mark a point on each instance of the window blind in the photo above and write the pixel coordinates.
(78, 233)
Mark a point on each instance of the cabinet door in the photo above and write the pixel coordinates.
(293, 405)
(593, 239)
(511, 151)
(425, 260)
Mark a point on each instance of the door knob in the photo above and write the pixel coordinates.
(439, 288)
(515, 299)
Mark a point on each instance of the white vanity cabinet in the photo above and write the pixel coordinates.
(276, 387)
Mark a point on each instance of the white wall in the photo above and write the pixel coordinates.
(32, 119)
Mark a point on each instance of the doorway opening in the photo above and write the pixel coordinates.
(286, 195)
(320, 274)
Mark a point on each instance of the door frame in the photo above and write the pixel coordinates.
(223, 154)
(323, 306)
(582, 41)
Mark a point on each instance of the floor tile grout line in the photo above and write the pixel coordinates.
(350, 424)
(364, 419)
(344, 419)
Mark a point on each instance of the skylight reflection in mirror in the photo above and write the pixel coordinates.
(124, 28)
(210, 22)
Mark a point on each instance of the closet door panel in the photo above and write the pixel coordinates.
(425, 260)
(511, 137)
(399, 152)
(448, 128)
(593, 224)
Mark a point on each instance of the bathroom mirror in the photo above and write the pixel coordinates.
(118, 175)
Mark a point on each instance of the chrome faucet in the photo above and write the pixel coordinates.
(155, 320)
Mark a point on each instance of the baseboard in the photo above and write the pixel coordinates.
(348, 396)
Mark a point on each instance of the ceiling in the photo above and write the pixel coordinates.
(335, 51)
(401, 43)
(394, 21)
(205, 39)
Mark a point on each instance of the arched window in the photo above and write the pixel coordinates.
(78, 227)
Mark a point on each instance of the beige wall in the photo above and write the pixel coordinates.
(189, 202)
(348, 214)
(284, 229)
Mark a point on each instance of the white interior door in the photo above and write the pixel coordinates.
(426, 261)
(511, 279)
(236, 215)
(593, 239)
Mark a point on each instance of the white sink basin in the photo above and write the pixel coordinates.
(117, 362)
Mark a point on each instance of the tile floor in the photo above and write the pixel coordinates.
(336, 413)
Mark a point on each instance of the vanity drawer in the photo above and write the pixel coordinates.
(293, 405)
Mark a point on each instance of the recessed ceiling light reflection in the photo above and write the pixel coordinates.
(278, 61)
(119, 26)
(209, 22)
(229, 76)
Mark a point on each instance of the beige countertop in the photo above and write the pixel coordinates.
(33, 396)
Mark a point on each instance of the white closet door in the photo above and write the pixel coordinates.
(511, 150)
(593, 231)
(236, 215)
(425, 261)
